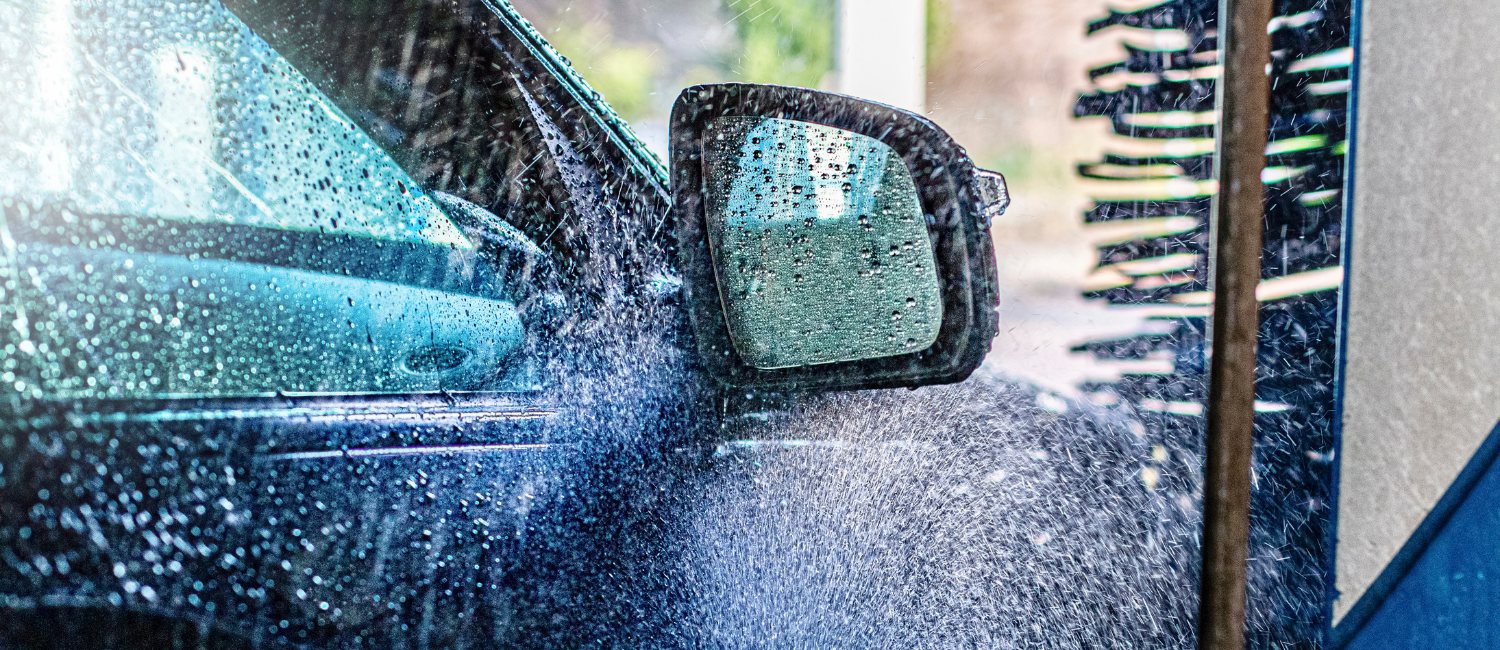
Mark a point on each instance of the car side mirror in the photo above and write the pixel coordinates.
(829, 242)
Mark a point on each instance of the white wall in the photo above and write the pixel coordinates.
(882, 51)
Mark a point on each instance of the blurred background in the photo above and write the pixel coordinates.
(1001, 76)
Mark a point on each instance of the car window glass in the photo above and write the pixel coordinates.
(205, 223)
(195, 118)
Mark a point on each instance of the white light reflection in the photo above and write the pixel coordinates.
(184, 130)
(52, 84)
(411, 451)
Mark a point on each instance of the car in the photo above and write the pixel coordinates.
(369, 324)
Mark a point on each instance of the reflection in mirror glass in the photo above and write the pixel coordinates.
(819, 244)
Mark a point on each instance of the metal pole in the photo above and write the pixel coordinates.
(1244, 98)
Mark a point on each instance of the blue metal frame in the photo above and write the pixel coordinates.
(1418, 601)
(1346, 259)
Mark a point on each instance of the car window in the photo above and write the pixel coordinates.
(209, 223)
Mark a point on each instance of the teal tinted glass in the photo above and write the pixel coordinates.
(819, 244)
(187, 215)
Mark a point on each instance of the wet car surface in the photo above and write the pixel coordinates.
(949, 516)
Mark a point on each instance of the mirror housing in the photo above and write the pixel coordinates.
(805, 268)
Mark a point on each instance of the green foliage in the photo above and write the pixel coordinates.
(939, 32)
(788, 42)
(624, 73)
(1025, 166)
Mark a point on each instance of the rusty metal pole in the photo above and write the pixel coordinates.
(1244, 100)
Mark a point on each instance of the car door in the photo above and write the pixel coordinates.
(327, 325)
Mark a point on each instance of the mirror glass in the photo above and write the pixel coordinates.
(819, 244)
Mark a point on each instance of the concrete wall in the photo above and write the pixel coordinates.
(1423, 356)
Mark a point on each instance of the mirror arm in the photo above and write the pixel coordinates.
(994, 196)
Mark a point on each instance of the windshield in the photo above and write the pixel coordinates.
(209, 223)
